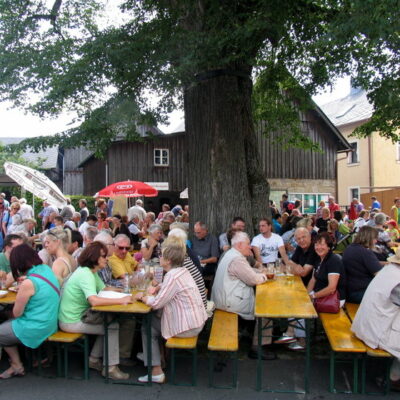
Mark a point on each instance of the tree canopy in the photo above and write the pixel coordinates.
(66, 54)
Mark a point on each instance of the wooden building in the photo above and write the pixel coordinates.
(307, 175)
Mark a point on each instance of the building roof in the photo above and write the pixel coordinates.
(50, 155)
(352, 108)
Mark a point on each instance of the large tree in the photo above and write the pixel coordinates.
(204, 54)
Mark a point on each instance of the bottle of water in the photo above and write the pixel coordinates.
(126, 283)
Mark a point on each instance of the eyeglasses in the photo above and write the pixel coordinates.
(124, 248)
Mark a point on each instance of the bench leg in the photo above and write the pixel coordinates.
(172, 375)
(194, 367)
(235, 369)
(210, 369)
(308, 357)
(259, 362)
(86, 357)
(66, 360)
(59, 364)
(355, 375)
(332, 373)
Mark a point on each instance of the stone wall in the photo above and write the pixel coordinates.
(304, 185)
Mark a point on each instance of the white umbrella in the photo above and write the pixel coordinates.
(184, 194)
(36, 182)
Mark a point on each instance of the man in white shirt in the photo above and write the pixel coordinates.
(267, 244)
(25, 210)
(138, 210)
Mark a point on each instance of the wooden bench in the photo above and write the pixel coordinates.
(223, 338)
(342, 340)
(351, 310)
(189, 344)
(65, 340)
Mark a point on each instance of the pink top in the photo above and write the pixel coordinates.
(180, 299)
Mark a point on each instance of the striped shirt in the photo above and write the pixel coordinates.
(197, 277)
(181, 302)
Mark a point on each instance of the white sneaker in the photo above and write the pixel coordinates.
(140, 356)
(154, 378)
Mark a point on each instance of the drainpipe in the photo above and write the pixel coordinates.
(370, 162)
(337, 172)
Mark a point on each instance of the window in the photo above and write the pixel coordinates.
(354, 193)
(161, 157)
(354, 156)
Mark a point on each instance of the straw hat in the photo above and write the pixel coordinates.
(396, 258)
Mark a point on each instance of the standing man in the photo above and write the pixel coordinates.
(205, 246)
(266, 245)
(83, 211)
(45, 213)
(26, 210)
(138, 210)
(375, 203)
(332, 205)
(68, 211)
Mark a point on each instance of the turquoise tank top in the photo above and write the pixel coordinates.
(40, 317)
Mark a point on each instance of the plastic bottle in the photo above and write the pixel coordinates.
(126, 283)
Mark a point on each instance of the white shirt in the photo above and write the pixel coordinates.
(26, 211)
(269, 247)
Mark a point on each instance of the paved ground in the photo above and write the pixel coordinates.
(285, 372)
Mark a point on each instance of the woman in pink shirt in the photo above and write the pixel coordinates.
(183, 313)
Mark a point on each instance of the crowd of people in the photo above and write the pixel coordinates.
(85, 253)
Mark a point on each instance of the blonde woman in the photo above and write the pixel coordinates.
(56, 243)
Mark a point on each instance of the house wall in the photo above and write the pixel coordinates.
(378, 165)
(385, 162)
(352, 175)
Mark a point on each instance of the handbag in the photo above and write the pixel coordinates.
(328, 304)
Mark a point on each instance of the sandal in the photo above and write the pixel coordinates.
(10, 372)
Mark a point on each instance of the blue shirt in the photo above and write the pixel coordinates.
(376, 204)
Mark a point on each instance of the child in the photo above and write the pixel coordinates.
(392, 230)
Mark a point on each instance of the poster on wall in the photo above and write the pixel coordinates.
(310, 204)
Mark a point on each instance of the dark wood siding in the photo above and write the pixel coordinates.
(135, 161)
(94, 177)
(296, 163)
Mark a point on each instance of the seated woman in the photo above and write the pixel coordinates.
(189, 264)
(151, 247)
(80, 294)
(56, 242)
(35, 309)
(183, 312)
(329, 273)
(362, 219)
(377, 321)
(102, 222)
(322, 222)
(360, 263)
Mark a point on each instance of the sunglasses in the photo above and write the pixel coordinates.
(124, 248)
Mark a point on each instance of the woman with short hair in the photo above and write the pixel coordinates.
(183, 312)
(80, 294)
(360, 263)
(35, 309)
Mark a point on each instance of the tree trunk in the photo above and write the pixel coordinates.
(225, 176)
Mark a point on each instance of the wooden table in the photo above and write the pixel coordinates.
(284, 297)
(9, 298)
(136, 308)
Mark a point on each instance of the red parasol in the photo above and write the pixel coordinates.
(128, 189)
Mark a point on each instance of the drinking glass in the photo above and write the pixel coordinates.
(270, 271)
(278, 267)
(289, 273)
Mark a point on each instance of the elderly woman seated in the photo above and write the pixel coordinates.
(151, 247)
(377, 321)
(360, 263)
(183, 313)
(35, 309)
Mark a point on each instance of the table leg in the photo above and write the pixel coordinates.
(308, 357)
(259, 348)
(105, 346)
(147, 320)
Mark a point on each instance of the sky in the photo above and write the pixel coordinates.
(15, 123)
